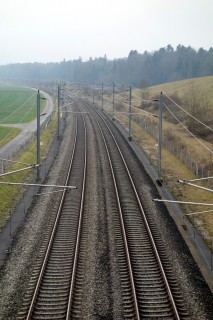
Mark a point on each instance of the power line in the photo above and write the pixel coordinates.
(145, 91)
(198, 212)
(18, 122)
(184, 202)
(28, 164)
(17, 109)
(188, 130)
(188, 112)
(194, 185)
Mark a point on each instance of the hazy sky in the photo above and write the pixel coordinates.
(53, 30)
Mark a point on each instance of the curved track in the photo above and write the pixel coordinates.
(149, 288)
(53, 286)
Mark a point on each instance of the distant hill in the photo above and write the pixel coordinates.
(180, 88)
(194, 95)
(139, 69)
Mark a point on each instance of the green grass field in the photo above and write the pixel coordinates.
(6, 134)
(17, 105)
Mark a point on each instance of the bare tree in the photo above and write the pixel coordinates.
(196, 103)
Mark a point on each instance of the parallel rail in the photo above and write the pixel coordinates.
(53, 285)
(149, 287)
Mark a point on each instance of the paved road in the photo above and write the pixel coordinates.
(15, 144)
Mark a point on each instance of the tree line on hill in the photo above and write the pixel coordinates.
(141, 70)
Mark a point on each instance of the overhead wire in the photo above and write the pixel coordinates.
(18, 122)
(145, 91)
(187, 112)
(17, 108)
(140, 110)
(135, 97)
(207, 148)
(13, 161)
(198, 212)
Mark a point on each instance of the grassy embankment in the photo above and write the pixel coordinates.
(7, 134)
(17, 105)
(205, 85)
(11, 195)
(173, 168)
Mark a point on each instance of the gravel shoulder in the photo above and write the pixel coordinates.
(194, 288)
(104, 301)
(17, 269)
(192, 238)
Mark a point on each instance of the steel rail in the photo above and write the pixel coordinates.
(30, 311)
(176, 314)
(79, 228)
(122, 225)
(148, 229)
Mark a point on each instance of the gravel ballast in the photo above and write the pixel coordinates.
(17, 269)
(101, 297)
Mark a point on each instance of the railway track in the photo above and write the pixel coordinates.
(149, 288)
(50, 290)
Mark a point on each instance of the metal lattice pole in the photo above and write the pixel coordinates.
(160, 135)
(130, 110)
(38, 135)
(113, 100)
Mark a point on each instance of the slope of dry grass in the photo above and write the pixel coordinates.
(172, 168)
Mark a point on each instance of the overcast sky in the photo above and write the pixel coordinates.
(53, 30)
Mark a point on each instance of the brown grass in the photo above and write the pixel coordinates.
(172, 168)
(11, 195)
